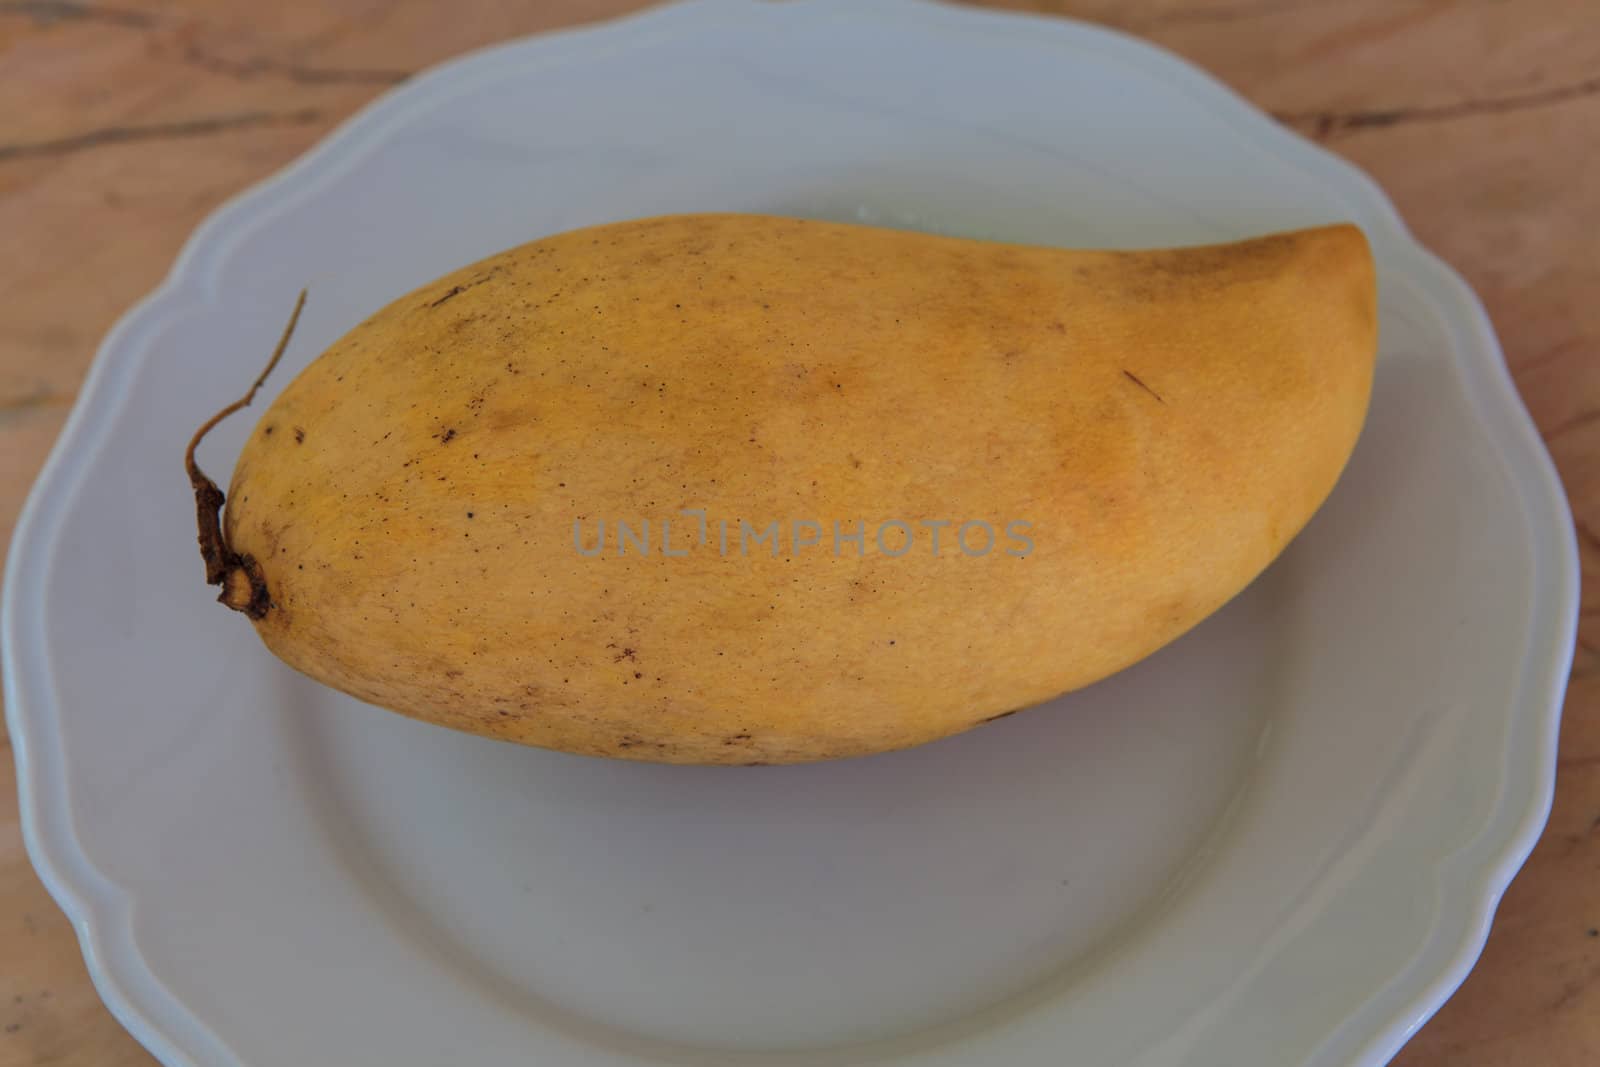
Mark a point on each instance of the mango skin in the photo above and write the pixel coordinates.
(1165, 421)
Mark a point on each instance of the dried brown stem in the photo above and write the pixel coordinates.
(243, 587)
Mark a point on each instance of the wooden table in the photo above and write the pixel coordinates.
(122, 125)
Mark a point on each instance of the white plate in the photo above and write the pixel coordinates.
(1278, 842)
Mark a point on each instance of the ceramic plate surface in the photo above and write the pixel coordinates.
(1278, 842)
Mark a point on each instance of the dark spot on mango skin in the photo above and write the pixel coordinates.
(1134, 378)
(299, 436)
(1002, 715)
(454, 290)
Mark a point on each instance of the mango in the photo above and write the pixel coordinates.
(739, 489)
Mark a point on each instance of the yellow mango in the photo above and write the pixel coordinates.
(536, 498)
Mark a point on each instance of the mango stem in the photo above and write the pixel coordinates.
(243, 586)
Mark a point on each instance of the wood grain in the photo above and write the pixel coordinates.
(122, 125)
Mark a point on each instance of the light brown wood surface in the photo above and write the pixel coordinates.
(123, 125)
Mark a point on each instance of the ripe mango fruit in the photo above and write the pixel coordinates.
(744, 489)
